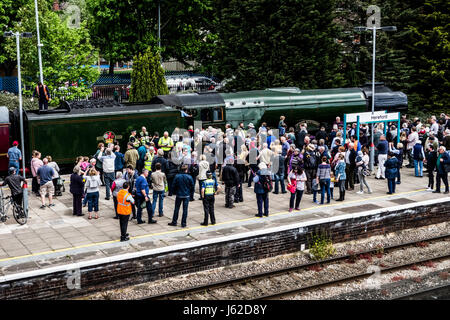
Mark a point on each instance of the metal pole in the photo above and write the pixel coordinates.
(159, 25)
(19, 80)
(39, 44)
(372, 147)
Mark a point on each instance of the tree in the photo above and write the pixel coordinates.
(147, 78)
(121, 29)
(8, 15)
(428, 50)
(67, 54)
(264, 43)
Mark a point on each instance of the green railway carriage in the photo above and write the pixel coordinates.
(66, 135)
(75, 129)
(257, 106)
(297, 105)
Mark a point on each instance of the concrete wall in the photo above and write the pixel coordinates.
(159, 263)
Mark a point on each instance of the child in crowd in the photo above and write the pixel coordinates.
(315, 190)
(84, 164)
(332, 181)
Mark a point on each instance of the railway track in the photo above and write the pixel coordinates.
(272, 278)
(435, 293)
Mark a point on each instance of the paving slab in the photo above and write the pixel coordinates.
(54, 236)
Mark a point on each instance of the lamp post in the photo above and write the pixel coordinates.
(374, 36)
(19, 80)
(39, 44)
(159, 25)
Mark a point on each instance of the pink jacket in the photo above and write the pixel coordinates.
(35, 165)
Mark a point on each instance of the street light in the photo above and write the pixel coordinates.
(39, 44)
(374, 35)
(19, 79)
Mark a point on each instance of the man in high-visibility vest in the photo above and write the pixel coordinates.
(124, 201)
(209, 189)
(166, 144)
(144, 136)
(134, 140)
(41, 91)
(149, 158)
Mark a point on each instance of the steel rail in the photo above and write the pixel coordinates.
(424, 292)
(269, 274)
(345, 279)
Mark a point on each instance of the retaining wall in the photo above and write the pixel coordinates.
(143, 266)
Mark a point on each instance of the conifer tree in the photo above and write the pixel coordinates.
(147, 77)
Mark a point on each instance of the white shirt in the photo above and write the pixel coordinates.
(300, 180)
(434, 128)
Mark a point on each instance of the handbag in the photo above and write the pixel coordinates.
(292, 186)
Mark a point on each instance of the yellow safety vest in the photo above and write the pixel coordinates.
(148, 162)
(136, 142)
(209, 187)
(144, 137)
(167, 141)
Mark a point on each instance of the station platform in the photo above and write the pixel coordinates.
(54, 237)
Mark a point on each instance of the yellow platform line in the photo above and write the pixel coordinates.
(202, 227)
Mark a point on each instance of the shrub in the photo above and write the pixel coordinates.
(321, 246)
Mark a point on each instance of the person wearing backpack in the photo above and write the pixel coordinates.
(297, 179)
(263, 185)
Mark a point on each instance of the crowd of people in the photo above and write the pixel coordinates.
(269, 160)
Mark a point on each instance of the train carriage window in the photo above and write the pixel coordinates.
(218, 114)
(205, 115)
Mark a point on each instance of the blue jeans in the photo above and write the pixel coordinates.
(176, 210)
(280, 179)
(418, 168)
(314, 195)
(92, 200)
(109, 178)
(139, 201)
(325, 186)
(15, 164)
(158, 195)
(391, 185)
(263, 198)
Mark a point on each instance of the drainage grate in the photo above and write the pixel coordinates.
(361, 208)
(402, 201)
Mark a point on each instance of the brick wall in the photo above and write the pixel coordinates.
(166, 264)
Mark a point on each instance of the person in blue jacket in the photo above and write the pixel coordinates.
(391, 167)
(341, 176)
(119, 162)
(262, 193)
(183, 185)
(418, 157)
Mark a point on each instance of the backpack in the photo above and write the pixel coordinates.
(310, 161)
(266, 182)
(194, 170)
